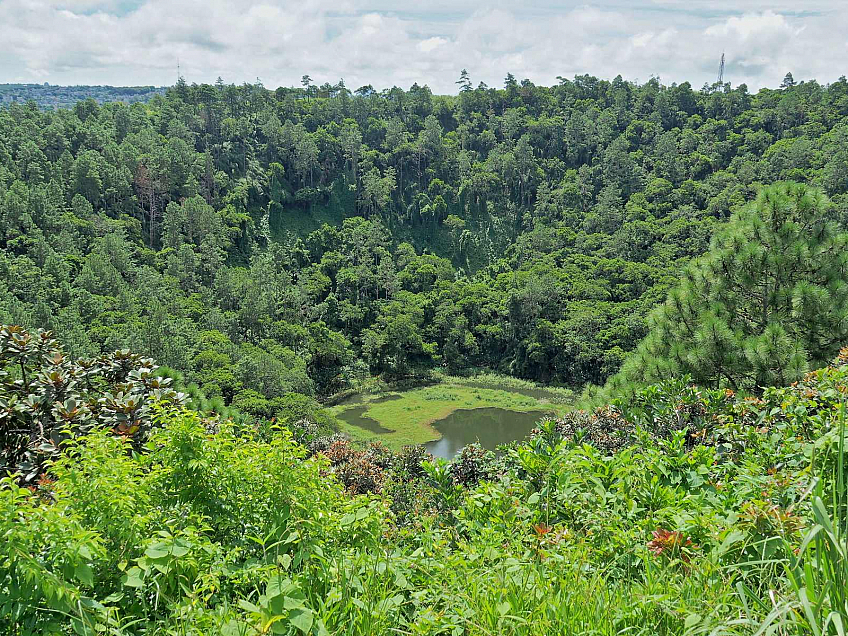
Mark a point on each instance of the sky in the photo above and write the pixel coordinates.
(398, 42)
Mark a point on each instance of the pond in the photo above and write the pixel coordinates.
(489, 426)
(362, 398)
(356, 415)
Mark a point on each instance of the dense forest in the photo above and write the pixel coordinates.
(304, 239)
(188, 285)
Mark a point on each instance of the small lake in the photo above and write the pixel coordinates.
(356, 415)
(489, 426)
(362, 398)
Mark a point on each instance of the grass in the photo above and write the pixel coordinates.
(489, 380)
(818, 574)
(483, 596)
(411, 417)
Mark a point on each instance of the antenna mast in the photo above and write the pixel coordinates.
(721, 70)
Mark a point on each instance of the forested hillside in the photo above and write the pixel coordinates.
(52, 96)
(216, 261)
(264, 242)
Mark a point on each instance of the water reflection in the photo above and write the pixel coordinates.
(489, 426)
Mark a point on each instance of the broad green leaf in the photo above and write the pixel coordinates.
(302, 619)
(278, 586)
(284, 561)
(133, 578)
(157, 551)
(292, 602)
(179, 550)
(691, 621)
(84, 574)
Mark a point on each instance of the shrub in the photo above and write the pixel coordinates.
(46, 398)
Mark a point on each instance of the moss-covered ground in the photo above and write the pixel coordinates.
(409, 415)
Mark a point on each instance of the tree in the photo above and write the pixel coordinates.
(306, 82)
(788, 81)
(767, 302)
(394, 345)
(351, 143)
(464, 81)
(376, 190)
(329, 353)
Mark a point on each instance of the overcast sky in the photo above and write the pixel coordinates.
(398, 42)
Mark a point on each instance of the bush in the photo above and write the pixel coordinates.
(46, 398)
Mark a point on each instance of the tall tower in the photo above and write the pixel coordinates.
(721, 70)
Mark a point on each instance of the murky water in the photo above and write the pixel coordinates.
(489, 426)
(360, 398)
(357, 417)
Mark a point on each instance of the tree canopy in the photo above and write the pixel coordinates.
(768, 302)
(527, 229)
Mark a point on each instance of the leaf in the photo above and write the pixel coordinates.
(233, 628)
(733, 537)
(157, 551)
(278, 586)
(302, 619)
(247, 606)
(133, 578)
(179, 550)
(81, 628)
(84, 574)
(292, 602)
(284, 561)
(91, 603)
(691, 621)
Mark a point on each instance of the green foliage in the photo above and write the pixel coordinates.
(46, 575)
(48, 398)
(696, 519)
(528, 230)
(767, 303)
(273, 248)
(818, 569)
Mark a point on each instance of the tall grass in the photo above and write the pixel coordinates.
(817, 572)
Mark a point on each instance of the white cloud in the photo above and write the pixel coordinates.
(430, 44)
(398, 42)
(759, 26)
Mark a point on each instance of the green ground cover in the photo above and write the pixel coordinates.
(410, 418)
(683, 512)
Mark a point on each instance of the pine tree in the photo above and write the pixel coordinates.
(464, 81)
(766, 303)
